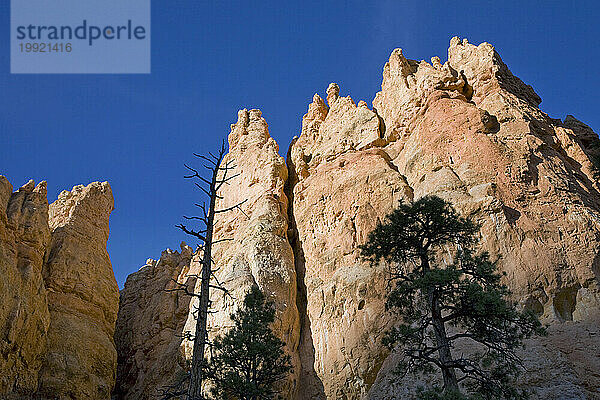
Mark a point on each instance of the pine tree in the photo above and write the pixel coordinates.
(249, 360)
(443, 305)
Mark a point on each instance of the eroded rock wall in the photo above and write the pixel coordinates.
(524, 176)
(59, 296)
(83, 296)
(251, 248)
(472, 133)
(150, 324)
(341, 186)
(468, 131)
(251, 241)
(24, 316)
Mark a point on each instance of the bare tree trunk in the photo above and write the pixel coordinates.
(218, 179)
(441, 337)
(450, 382)
(201, 336)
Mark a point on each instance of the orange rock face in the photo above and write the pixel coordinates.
(59, 296)
(468, 131)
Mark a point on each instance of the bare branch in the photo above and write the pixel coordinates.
(195, 171)
(203, 219)
(203, 208)
(219, 288)
(192, 232)
(213, 162)
(231, 208)
(182, 287)
(222, 240)
(226, 179)
(204, 180)
(228, 166)
(209, 194)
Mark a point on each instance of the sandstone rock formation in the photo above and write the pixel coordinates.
(523, 175)
(150, 324)
(337, 201)
(59, 296)
(83, 296)
(257, 250)
(470, 132)
(467, 130)
(24, 317)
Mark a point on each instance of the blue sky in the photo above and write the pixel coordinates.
(210, 59)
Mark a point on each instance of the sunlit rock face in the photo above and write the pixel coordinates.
(59, 296)
(471, 132)
(83, 296)
(251, 241)
(341, 186)
(468, 131)
(251, 248)
(525, 177)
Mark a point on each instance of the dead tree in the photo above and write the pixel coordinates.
(219, 176)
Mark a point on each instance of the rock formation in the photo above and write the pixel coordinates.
(59, 296)
(83, 296)
(468, 131)
(149, 326)
(256, 251)
(341, 188)
(24, 316)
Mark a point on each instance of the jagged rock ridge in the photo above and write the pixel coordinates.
(467, 130)
(59, 296)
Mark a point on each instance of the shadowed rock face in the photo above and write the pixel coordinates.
(24, 317)
(59, 297)
(150, 320)
(468, 131)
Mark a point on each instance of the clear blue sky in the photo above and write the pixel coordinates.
(209, 60)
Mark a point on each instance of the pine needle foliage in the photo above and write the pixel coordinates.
(248, 361)
(445, 303)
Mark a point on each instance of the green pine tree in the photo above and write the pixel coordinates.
(442, 305)
(249, 360)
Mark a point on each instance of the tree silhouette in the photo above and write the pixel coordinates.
(443, 304)
(249, 360)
